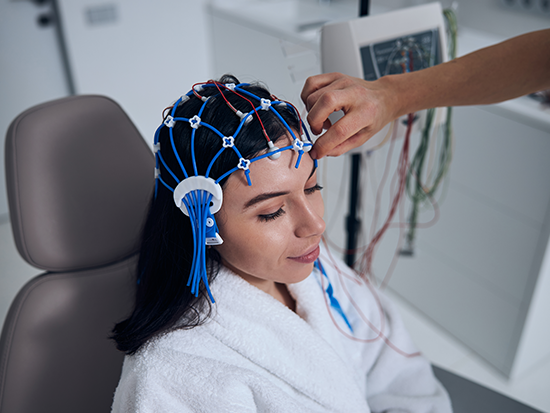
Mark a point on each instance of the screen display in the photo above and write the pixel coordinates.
(407, 53)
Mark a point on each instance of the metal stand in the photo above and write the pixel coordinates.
(353, 223)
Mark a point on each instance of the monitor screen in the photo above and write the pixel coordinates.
(391, 56)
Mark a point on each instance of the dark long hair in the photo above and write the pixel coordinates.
(163, 301)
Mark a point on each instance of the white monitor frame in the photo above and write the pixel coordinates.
(341, 44)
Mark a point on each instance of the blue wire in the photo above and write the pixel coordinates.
(198, 244)
(283, 121)
(157, 133)
(203, 106)
(213, 129)
(270, 108)
(193, 139)
(193, 151)
(305, 130)
(214, 160)
(172, 113)
(257, 158)
(236, 150)
(165, 184)
(333, 301)
(204, 275)
(243, 121)
(300, 153)
(246, 92)
(167, 168)
(226, 174)
(265, 155)
(191, 217)
(176, 153)
(197, 203)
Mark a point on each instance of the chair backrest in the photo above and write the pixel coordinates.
(79, 178)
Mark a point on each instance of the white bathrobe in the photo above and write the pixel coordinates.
(256, 355)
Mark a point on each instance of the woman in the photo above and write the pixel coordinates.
(261, 318)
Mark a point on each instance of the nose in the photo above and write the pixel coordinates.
(310, 220)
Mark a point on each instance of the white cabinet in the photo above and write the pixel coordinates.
(474, 272)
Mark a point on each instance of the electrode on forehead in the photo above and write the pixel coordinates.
(273, 148)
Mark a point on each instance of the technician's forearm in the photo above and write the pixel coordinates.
(504, 71)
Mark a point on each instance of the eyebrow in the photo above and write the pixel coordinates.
(268, 195)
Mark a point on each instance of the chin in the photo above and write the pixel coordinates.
(298, 275)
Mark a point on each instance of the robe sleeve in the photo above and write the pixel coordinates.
(400, 379)
(152, 386)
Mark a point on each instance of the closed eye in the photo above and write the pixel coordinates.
(313, 189)
(273, 216)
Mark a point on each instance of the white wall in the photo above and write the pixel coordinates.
(144, 58)
(485, 15)
(30, 70)
(141, 53)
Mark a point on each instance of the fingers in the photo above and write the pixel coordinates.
(364, 110)
(336, 141)
(315, 83)
(360, 122)
(346, 146)
(328, 93)
(325, 104)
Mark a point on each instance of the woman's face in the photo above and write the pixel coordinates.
(272, 229)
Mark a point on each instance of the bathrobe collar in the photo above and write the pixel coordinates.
(299, 348)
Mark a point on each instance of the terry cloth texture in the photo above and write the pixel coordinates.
(256, 355)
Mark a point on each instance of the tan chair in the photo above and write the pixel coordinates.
(79, 177)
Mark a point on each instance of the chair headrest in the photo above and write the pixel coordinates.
(79, 178)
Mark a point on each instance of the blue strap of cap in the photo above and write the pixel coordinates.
(330, 293)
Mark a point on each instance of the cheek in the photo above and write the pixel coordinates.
(318, 205)
(250, 246)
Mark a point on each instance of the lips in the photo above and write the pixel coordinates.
(308, 257)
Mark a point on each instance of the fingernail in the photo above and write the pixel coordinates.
(313, 153)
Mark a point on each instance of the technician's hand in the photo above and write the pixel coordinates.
(367, 108)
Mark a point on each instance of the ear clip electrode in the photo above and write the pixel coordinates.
(200, 197)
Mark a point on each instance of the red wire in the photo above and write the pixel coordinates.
(355, 280)
(341, 250)
(378, 331)
(217, 84)
(393, 263)
(345, 333)
(383, 182)
(273, 97)
(402, 171)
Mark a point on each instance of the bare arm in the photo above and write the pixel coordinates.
(504, 71)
